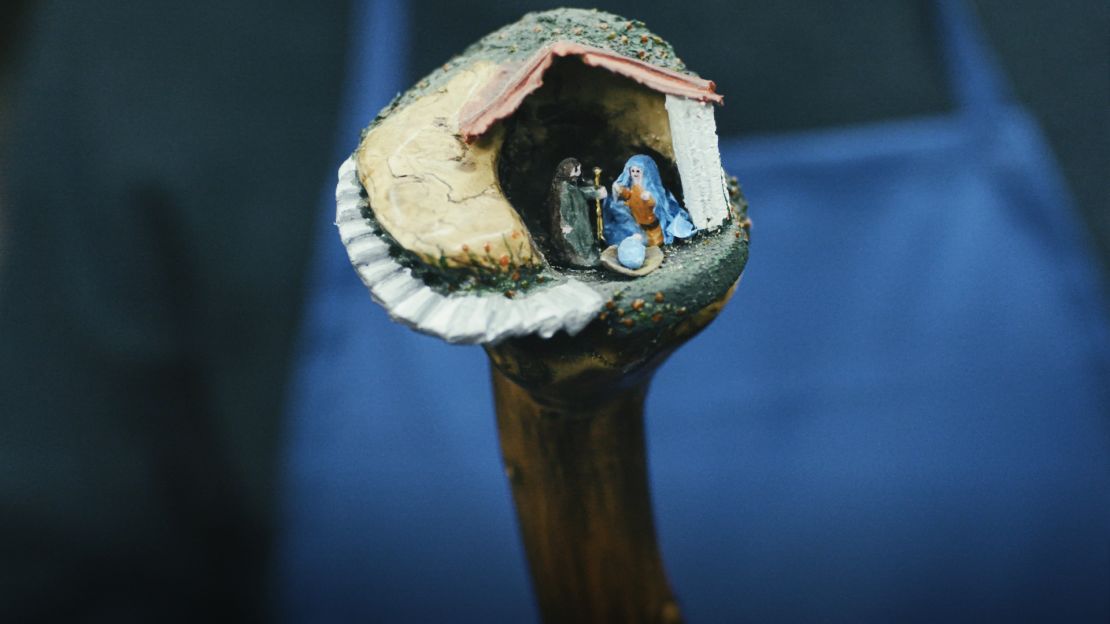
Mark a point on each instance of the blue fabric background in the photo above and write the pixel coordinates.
(901, 416)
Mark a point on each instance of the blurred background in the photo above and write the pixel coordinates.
(901, 416)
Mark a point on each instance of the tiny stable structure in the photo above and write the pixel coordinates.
(586, 100)
(441, 206)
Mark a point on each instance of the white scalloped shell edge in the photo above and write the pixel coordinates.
(569, 305)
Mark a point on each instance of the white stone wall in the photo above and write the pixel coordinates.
(694, 136)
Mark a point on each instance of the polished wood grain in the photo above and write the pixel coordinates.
(579, 477)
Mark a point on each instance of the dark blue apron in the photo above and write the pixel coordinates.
(901, 416)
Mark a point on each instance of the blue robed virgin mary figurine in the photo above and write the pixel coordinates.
(639, 204)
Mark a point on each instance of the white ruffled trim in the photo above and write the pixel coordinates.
(460, 318)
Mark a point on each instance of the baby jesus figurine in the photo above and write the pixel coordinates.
(571, 234)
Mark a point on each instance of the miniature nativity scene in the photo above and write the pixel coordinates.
(638, 224)
(562, 171)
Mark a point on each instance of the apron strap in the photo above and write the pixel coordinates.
(377, 55)
(376, 62)
(978, 83)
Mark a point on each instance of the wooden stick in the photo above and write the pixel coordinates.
(580, 484)
(597, 205)
(570, 413)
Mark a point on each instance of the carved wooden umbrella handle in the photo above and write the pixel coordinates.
(435, 209)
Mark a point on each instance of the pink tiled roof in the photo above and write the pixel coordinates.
(504, 93)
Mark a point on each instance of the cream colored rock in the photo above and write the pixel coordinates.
(437, 196)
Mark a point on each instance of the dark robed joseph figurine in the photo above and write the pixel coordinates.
(572, 237)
